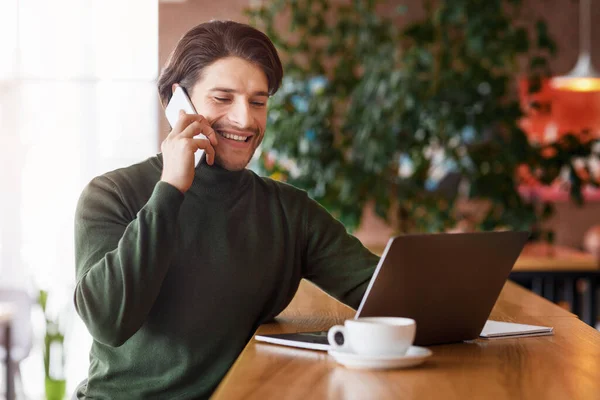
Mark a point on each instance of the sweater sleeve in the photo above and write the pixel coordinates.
(336, 261)
(120, 262)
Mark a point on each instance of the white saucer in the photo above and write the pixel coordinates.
(414, 356)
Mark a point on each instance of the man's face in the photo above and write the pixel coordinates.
(232, 95)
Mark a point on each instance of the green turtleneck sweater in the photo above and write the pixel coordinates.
(173, 286)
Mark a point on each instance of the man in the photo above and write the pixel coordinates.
(177, 265)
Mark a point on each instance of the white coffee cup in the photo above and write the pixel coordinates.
(374, 336)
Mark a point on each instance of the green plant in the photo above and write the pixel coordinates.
(55, 383)
(371, 113)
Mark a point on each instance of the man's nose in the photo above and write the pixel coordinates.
(239, 114)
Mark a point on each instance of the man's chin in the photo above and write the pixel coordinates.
(232, 165)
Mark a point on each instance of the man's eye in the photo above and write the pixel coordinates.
(258, 104)
(222, 99)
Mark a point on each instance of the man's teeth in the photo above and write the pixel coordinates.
(233, 137)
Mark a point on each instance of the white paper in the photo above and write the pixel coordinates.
(497, 329)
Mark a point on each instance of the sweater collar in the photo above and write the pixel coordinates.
(216, 180)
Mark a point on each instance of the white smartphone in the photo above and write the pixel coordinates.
(181, 101)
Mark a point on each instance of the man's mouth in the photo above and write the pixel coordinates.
(241, 137)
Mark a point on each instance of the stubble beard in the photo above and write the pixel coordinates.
(233, 165)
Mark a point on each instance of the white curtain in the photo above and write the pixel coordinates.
(77, 99)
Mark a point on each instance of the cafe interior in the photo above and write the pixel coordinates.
(403, 117)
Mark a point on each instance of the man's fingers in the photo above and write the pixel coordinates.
(188, 127)
(207, 147)
(184, 121)
(205, 129)
(211, 135)
(194, 129)
(200, 127)
(198, 124)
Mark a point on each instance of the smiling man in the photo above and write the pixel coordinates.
(178, 264)
(232, 98)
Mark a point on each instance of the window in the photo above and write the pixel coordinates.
(77, 99)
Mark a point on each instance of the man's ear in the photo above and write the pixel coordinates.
(173, 87)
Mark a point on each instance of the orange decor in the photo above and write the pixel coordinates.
(550, 114)
(561, 112)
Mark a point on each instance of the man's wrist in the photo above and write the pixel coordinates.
(165, 200)
(171, 183)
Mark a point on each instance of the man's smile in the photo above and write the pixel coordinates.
(237, 136)
(241, 139)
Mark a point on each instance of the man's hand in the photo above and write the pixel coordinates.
(179, 147)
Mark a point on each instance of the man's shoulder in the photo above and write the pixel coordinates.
(136, 176)
(131, 185)
(147, 170)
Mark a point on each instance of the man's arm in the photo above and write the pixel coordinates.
(336, 261)
(121, 259)
(120, 262)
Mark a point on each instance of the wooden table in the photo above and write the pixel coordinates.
(563, 366)
(547, 266)
(6, 315)
(545, 257)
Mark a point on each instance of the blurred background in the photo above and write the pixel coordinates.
(397, 116)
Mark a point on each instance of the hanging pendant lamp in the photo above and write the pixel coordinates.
(583, 78)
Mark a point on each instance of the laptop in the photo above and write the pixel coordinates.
(447, 282)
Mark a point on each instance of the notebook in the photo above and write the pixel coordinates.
(501, 330)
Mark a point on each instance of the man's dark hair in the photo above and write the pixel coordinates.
(211, 41)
